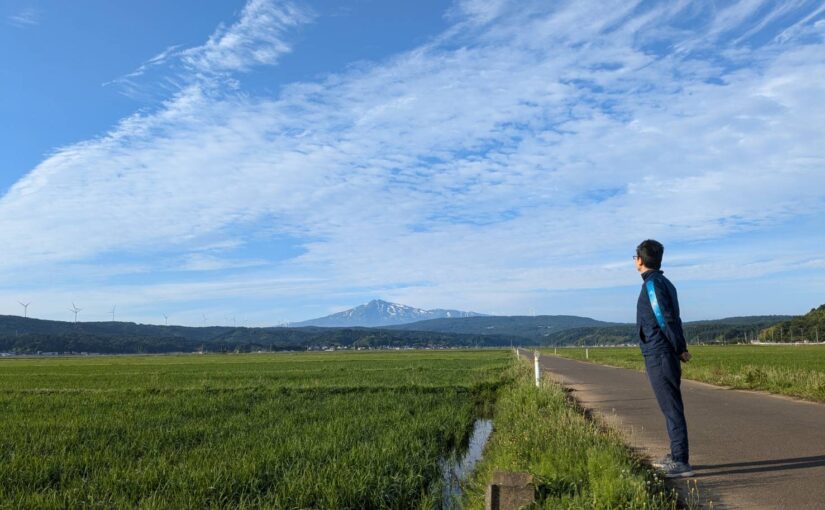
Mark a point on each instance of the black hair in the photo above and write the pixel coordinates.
(651, 253)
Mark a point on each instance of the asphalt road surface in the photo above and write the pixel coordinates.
(749, 450)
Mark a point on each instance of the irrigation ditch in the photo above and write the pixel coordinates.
(457, 467)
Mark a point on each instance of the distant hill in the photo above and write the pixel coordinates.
(754, 320)
(12, 325)
(804, 328)
(574, 330)
(536, 329)
(378, 313)
(728, 330)
(19, 335)
(31, 336)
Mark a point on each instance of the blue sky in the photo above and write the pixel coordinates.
(266, 161)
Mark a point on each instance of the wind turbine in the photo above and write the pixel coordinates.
(166, 319)
(75, 309)
(25, 308)
(113, 312)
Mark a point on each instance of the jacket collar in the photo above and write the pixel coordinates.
(650, 272)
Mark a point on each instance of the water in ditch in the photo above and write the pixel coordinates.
(457, 467)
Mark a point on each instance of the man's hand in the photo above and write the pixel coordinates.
(685, 357)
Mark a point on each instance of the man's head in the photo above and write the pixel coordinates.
(649, 255)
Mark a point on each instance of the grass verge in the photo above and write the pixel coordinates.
(793, 370)
(575, 463)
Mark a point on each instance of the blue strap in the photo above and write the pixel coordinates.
(651, 293)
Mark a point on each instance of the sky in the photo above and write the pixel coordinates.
(264, 162)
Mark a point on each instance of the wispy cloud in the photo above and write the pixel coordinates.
(520, 153)
(25, 18)
(259, 37)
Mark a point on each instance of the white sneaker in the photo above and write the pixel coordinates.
(659, 464)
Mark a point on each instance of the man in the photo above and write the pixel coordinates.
(663, 346)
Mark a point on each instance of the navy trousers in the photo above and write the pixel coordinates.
(665, 376)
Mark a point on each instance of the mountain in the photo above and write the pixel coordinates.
(381, 313)
(535, 328)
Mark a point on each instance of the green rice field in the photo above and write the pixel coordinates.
(289, 430)
(297, 430)
(793, 370)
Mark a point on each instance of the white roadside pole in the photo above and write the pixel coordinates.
(536, 366)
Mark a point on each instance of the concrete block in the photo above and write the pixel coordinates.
(509, 491)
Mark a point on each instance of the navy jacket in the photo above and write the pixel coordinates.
(652, 338)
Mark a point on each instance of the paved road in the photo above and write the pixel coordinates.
(749, 450)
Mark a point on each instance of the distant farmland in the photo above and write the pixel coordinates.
(794, 370)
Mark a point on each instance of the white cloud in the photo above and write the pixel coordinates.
(257, 38)
(467, 172)
(25, 18)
